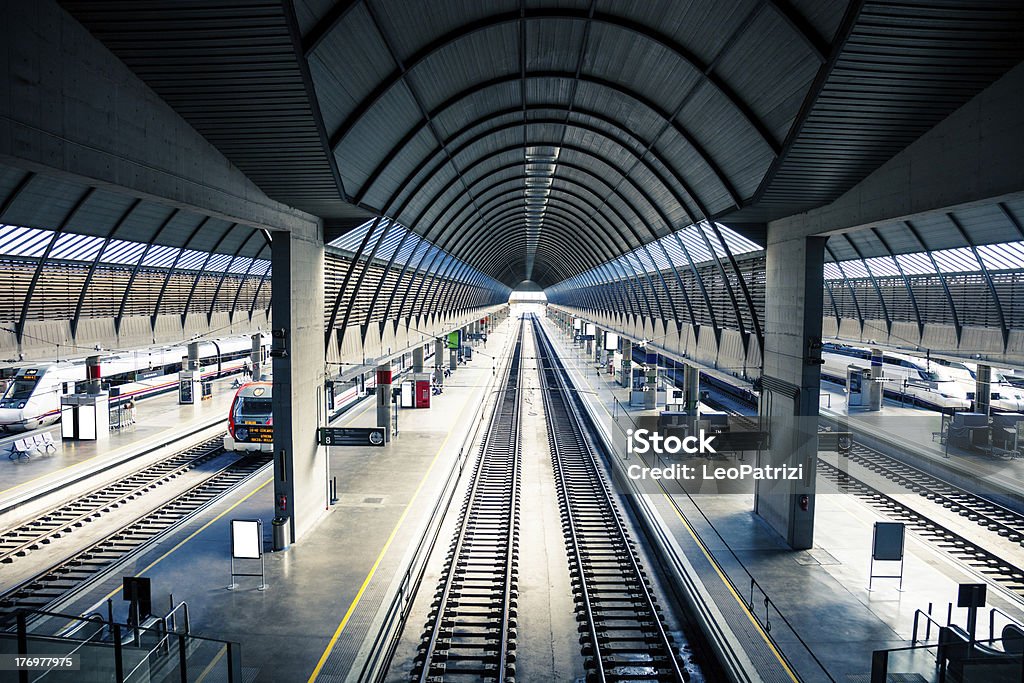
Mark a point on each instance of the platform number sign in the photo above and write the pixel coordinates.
(351, 436)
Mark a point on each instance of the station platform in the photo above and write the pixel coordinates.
(323, 592)
(161, 424)
(915, 431)
(823, 620)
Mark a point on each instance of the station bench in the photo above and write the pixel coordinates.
(25, 446)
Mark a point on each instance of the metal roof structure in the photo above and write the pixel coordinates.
(533, 140)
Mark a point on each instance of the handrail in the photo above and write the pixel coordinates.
(992, 621)
(928, 630)
(117, 642)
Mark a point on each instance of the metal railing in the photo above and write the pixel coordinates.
(129, 651)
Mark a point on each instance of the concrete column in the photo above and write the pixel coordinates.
(983, 389)
(300, 465)
(792, 375)
(439, 345)
(651, 395)
(255, 356)
(93, 375)
(691, 387)
(384, 398)
(627, 361)
(193, 356)
(417, 360)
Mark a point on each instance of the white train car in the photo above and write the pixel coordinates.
(1007, 389)
(32, 397)
(916, 380)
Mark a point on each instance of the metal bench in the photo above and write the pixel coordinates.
(39, 443)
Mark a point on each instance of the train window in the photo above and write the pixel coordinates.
(251, 406)
(930, 375)
(20, 390)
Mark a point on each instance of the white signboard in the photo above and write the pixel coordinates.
(246, 543)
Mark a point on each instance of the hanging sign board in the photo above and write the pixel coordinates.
(351, 436)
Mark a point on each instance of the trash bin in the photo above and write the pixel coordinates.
(280, 528)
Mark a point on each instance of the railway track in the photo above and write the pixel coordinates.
(471, 626)
(988, 514)
(57, 581)
(970, 553)
(994, 517)
(20, 541)
(622, 630)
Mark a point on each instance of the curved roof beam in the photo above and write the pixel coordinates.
(705, 70)
(705, 157)
(615, 236)
(595, 211)
(639, 158)
(666, 117)
(579, 150)
(513, 200)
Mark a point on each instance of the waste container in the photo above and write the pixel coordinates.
(280, 529)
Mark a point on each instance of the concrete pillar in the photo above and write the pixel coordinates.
(384, 398)
(300, 465)
(93, 375)
(691, 387)
(983, 389)
(627, 361)
(791, 384)
(417, 360)
(255, 356)
(439, 345)
(453, 355)
(651, 395)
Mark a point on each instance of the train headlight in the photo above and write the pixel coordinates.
(21, 405)
(241, 433)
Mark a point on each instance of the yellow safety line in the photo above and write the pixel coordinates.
(711, 560)
(207, 525)
(191, 536)
(209, 667)
(383, 551)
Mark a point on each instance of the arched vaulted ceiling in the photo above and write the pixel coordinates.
(535, 139)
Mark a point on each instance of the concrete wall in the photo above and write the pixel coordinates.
(48, 340)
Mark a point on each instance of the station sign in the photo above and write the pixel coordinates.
(351, 436)
(476, 336)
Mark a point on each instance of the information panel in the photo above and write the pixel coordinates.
(888, 541)
(245, 539)
(351, 436)
(260, 433)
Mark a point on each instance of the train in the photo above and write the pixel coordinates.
(33, 395)
(933, 384)
(251, 416)
(251, 419)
